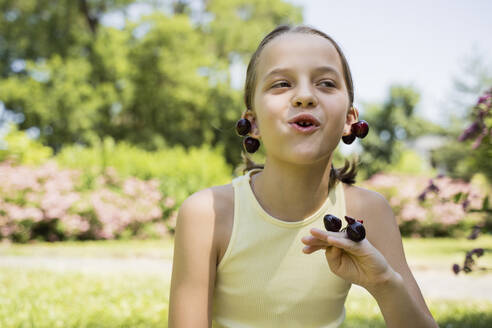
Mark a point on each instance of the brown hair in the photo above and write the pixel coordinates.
(348, 172)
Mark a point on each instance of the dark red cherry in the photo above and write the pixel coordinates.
(355, 229)
(360, 129)
(243, 126)
(251, 144)
(349, 139)
(332, 223)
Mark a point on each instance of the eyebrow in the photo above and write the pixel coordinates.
(320, 69)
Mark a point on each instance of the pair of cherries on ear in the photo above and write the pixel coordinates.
(357, 130)
(355, 229)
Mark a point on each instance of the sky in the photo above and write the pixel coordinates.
(420, 43)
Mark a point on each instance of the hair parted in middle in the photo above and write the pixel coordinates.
(348, 172)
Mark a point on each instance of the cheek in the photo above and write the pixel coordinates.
(270, 104)
(337, 109)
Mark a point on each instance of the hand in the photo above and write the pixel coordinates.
(358, 262)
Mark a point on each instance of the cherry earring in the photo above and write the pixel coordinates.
(251, 144)
(243, 127)
(359, 130)
(348, 139)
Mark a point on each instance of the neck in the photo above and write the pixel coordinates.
(292, 192)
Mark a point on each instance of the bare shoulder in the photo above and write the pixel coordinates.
(213, 199)
(364, 202)
(377, 214)
(216, 206)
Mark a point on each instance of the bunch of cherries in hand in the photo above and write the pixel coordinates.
(355, 229)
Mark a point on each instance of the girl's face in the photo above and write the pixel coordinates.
(300, 73)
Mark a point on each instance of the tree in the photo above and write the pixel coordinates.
(161, 80)
(470, 124)
(391, 123)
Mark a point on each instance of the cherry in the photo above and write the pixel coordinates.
(349, 139)
(243, 126)
(360, 129)
(355, 229)
(332, 223)
(251, 144)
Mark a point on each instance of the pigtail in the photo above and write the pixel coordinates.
(346, 174)
(249, 164)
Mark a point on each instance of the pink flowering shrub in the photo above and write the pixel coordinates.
(49, 203)
(436, 211)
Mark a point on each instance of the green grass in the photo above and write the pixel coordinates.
(158, 249)
(436, 253)
(415, 248)
(46, 299)
(441, 253)
(363, 311)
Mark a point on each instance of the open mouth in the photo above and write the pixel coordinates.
(306, 127)
(303, 124)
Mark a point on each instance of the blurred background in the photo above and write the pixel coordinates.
(112, 112)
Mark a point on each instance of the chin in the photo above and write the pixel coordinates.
(304, 156)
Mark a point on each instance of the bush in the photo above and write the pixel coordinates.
(433, 213)
(180, 172)
(47, 203)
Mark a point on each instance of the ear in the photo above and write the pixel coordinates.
(352, 117)
(251, 117)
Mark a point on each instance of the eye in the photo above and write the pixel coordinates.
(328, 83)
(282, 84)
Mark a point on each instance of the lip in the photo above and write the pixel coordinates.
(306, 130)
(305, 117)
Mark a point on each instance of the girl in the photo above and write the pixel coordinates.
(246, 253)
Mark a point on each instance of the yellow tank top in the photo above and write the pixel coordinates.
(264, 278)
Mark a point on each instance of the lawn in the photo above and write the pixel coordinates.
(34, 297)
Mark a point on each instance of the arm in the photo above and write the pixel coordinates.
(377, 262)
(399, 298)
(194, 263)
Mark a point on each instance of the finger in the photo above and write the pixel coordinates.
(312, 249)
(322, 234)
(313, 241)
(334, 239)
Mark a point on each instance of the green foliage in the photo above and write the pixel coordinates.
(180, 172)
(58, 97)
(170, 97)
(16, 146)
(455, 157)
(391, 124)
(162, 80)
(462, 159)
(226, 31)
(410, 162)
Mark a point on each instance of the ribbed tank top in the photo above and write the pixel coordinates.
(265, 280)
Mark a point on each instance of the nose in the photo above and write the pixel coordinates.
(304, 97)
